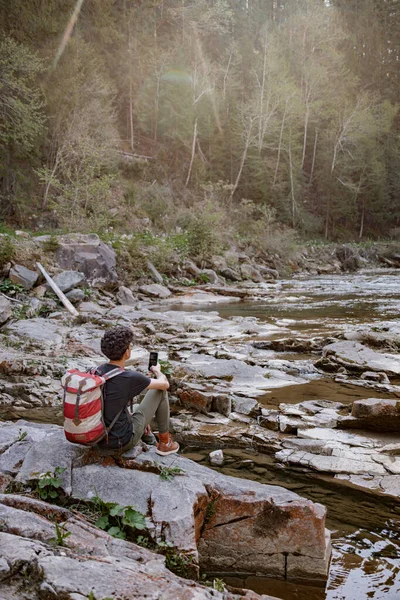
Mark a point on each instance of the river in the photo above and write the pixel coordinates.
(366, 530)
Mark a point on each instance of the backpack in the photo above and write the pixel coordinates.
(84, 405)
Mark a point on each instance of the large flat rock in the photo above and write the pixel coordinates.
(91, 563)
(356, 357)
(268, 520)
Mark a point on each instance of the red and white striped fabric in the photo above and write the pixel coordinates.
(83, 406)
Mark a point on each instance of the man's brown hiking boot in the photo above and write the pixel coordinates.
(166, 445)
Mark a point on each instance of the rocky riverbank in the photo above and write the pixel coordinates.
(230, 381)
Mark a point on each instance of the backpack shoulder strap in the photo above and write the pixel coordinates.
(113, 373)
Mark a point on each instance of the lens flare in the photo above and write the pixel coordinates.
(68, 32)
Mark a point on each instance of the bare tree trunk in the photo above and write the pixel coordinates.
(193, 153)
(226, 75)
(46, 193)
(314, 155)
(244, 156)
(156, 108)
(292, 187)
(131, 116)
(362, 220)
(305, 133)
(327, 216)
(280, 144)
(262, 93)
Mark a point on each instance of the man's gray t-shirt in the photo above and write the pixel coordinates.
(118, 392)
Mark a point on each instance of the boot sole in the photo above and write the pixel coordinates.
(161, 453)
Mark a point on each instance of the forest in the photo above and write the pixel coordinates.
(237, 116)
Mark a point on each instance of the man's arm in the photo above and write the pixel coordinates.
(161, 382)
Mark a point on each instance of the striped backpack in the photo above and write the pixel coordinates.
(84, 406)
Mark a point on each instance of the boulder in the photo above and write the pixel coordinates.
(268, 273)
(358, 358)
(230, 274)
(23, 276)
(210, 276)
(88, 254)
(92, 564)
(75, 296)
(191, 268)
(126, 297)
(348, 257)
(5, 309)
(155, 290)
(248, 271)
(68, 280)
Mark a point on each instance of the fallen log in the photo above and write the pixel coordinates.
(57, 291)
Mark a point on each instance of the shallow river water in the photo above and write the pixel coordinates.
(366, 530)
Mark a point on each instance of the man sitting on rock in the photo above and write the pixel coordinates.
(119, 391)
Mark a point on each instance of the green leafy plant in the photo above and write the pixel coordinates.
(179, 563)
(48, 484)
(118, 520)
(51, 244)
(168, 473)
(22, 435)
(210, 511)
(20, 312)
(10, 288)
(166, 367)
(7, 249)
(61, 535)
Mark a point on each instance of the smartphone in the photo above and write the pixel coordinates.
(153, 359)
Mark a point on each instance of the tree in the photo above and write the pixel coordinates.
(22, 119)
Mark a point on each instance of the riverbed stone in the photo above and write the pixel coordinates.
(359, 358)
(75, 296)
(377, 414)
(216, 458)
(23, 276)
(125, 296)
(69, 280)
(5, 309)
(155, 290)
(40, 332)
(210, 276)
(249, 271)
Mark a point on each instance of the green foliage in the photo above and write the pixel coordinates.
(210, 511)
(20, 311)
(10, 288)
(118, 520)
(22, 435)
(61, 535)
(168, 473)
(51, 244)
(166, 367)
(21, 107)
(7, 250)
(204, 234)
(177, 562)
(48, 484)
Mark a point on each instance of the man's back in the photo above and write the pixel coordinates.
(118, 392)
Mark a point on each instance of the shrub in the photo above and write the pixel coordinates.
(7, 250)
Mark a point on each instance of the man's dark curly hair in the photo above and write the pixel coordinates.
(115, 342)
